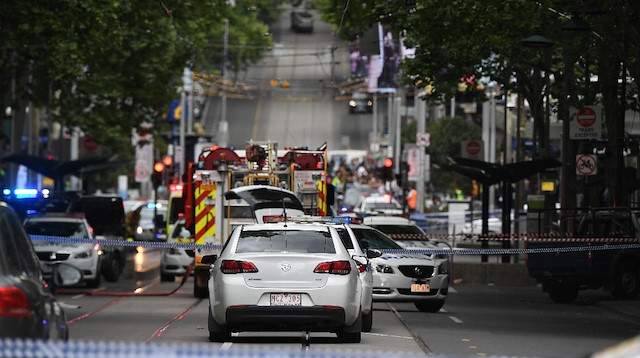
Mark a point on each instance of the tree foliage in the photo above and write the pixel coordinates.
(107, 66)
(454, 39)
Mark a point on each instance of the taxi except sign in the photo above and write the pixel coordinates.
(586, 123)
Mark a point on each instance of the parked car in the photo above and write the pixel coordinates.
(404, 231)
(609, 263)
(86, 257)
(360, 102)
(301, 21)
(284, 277)
(175, 261)
(402, 277)
(152, 217)
(28, 307)
(105, 214)
(378, 204)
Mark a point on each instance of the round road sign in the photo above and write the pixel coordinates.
(473, 147)
(586, 117)
(586, 164)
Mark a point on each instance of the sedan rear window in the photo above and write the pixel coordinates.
(287, 240)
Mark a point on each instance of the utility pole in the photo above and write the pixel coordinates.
(223, 129)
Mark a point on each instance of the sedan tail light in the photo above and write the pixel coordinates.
(13, 302)
(334, 267)
(233, 266)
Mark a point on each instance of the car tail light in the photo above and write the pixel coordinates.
(233, 266)
(334, 267)
(13, 303)
(362, 268)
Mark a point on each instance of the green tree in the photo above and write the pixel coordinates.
(108, 66)
(456, 38)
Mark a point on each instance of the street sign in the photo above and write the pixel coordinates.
(586, 123)
(423, 139)
(586, 164)
(472, 149)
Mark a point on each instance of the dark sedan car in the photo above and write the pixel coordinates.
(361, 102)
(28, 308)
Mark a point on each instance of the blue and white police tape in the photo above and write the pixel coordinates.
(28, 348)
(426, 251)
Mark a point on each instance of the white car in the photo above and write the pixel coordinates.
(379, 204)
(284, 277)
(86, 257)
(404, 231)
(175, 261)
(360, 255)
(403, 277)
(152, 221)
(266, 200)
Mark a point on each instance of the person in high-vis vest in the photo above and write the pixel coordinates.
(412, 198)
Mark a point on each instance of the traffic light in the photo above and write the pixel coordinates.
(387, 169)
(156, 176)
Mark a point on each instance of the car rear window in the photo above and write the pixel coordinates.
(56, 228)
(287, 240)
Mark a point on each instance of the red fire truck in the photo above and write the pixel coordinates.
(300, 172)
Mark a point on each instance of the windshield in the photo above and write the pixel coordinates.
(374, 239)
(56, 228)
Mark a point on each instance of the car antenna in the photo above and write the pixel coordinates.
(284, 208)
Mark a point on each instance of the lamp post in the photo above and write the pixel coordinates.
(540, 42)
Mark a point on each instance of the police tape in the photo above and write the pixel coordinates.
(422, 251)
(28, 348)
(533, 237)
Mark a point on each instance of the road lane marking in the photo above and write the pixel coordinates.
(456, 319)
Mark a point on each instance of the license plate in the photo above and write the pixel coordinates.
(285, 299)
(420, 287)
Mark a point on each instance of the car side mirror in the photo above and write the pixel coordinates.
(373, 253)
(64, 275)
(209, 259)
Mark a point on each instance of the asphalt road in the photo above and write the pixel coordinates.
(477, 320)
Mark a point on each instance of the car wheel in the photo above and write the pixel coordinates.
(561, 292)
(95, 283)
(429, 306)
(167, 277)
(352, 333)
(112, 269)
(217, 333)
(626, 281)
(367, 321)
(200, 289)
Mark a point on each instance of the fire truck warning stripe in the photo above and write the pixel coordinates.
(207, 228)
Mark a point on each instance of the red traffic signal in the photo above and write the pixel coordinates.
(388, 163)
(158, 167)
(167, 161)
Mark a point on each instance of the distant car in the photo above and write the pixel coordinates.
(404, 231)
(28, 307)
(86, 257)
(360, 102)
(354, 194)
(379, 204)
(105, 214)
(402, 277)
(152, 217)
(301, 21)
(175, 261)
(284, 277)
